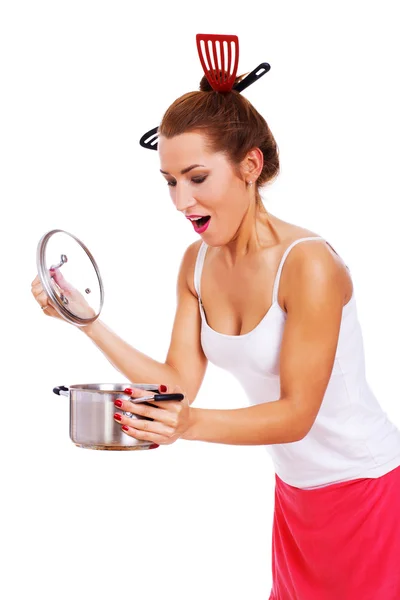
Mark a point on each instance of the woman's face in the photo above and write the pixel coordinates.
(204, 184)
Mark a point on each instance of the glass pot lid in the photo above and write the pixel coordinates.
(70, 277)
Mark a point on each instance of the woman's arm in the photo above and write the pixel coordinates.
(185, 364)
(268, 423)
(135, 365)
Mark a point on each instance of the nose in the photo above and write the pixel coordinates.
(183, 198)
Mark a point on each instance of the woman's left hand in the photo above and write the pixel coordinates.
(171, 418)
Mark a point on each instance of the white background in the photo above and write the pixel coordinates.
(80, 83)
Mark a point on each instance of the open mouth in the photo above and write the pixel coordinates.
(201, 222)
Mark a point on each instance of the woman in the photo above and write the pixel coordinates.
(274, 304)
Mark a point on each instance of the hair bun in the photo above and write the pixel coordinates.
(206, 87)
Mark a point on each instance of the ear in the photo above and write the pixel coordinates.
(252, 164)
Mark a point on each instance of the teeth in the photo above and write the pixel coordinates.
(196, 218)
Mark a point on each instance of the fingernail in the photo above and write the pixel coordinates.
(154, 446)
(163, 388)
(117, 417)
(125, 428)
(128, 391)
(118, 403)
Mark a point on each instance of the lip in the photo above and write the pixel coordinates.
(193, 216)
(201, 229)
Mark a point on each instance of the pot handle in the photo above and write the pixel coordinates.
(168, 397)
(61, 390)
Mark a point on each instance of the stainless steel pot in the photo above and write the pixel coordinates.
(92, 409)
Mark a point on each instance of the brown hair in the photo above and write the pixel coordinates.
(230, 123)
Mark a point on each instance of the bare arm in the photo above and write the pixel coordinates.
(135, 365)
(185, 364)
(185, 353)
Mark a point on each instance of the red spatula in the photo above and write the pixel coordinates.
(219, 57)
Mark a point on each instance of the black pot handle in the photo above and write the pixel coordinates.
(159, 397)
(61, 388)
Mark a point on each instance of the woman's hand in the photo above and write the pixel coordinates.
(42, 299)
(171, 418)
(77, 303)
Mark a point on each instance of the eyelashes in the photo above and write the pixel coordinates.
(197, 180)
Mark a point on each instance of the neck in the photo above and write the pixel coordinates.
(257, 231)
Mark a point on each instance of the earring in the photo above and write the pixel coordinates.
(249, 183)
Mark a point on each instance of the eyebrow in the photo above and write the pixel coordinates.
(183, 170)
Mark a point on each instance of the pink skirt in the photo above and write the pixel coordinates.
(339, 542)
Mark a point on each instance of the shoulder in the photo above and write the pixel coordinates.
(314, 270)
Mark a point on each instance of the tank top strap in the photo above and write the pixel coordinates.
(278, 275)
(198, 268)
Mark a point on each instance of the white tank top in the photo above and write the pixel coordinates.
(351, 438)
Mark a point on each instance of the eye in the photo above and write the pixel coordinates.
(195, 180)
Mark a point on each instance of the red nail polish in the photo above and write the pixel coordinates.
(153, 446)
(125, 428)
(117, 417)
(128, 391)
(118, 403)
(163, 388)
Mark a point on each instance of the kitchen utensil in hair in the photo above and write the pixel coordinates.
(219, 57)
(255, 75)
(216, 78)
